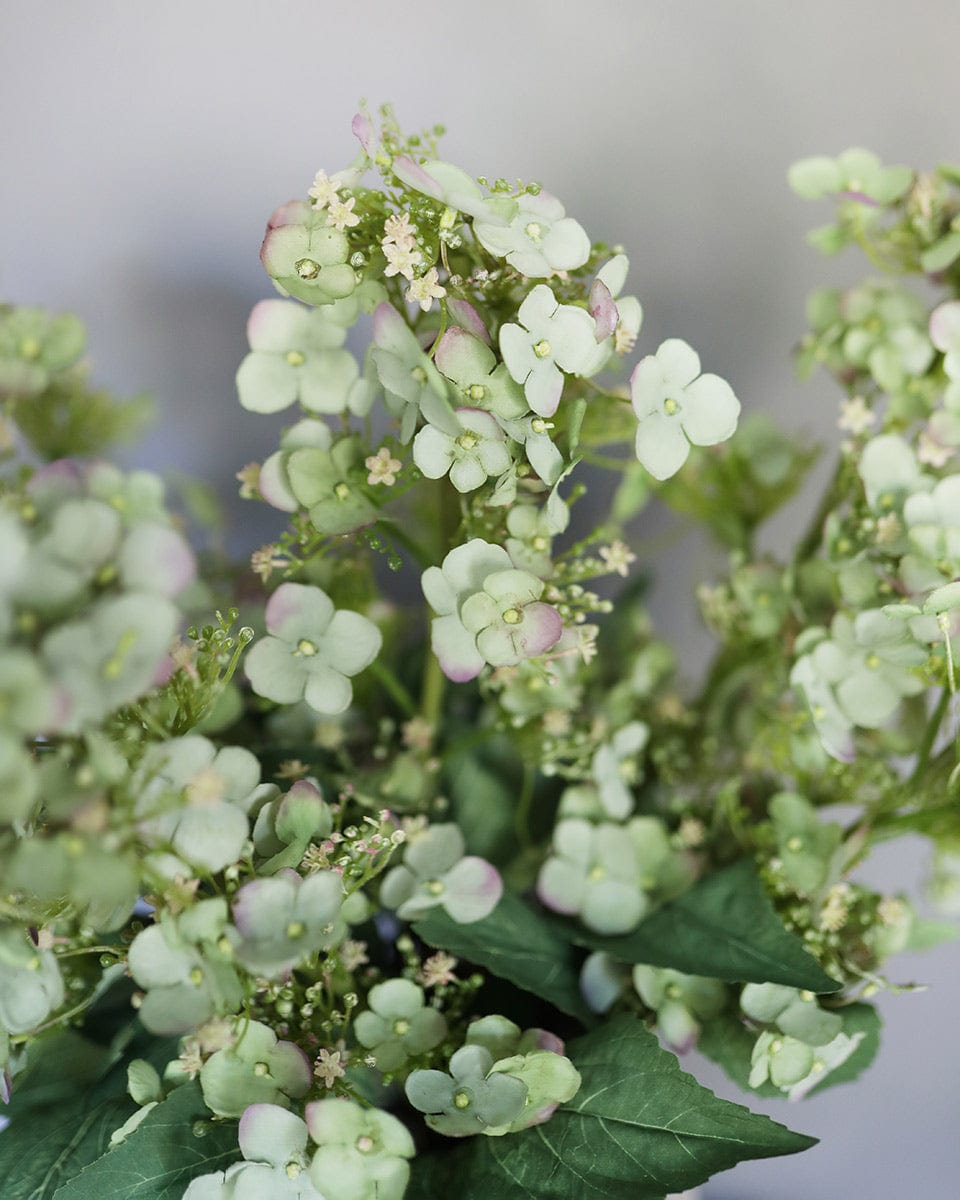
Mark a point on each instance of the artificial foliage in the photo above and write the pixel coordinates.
(314, 891)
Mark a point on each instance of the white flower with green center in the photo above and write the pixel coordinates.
(890, 472)
(945, 334)
(508, 619)
(680, 1001)
(533, 433)
(283, 918)
(312, 650)
(550, 339)
(475, 371)
(933, 523)
(856, 171)
(677, 406)
(276, 1163)
(31, 986)
(531, 538)
(870, 663)
(362, 1153)
(296, 355)
(533, 233)
(256, 1069)
(413, 385)
(616, 768)
(834, 727)
(473, 1098)
(34, 346)
(621, 320)
(476, 453)
(397, 1025)
(446, 587)
(274, 481)
(305, 257)
(436, 874)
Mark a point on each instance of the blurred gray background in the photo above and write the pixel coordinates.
(144, 145)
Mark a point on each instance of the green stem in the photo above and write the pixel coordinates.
(398, 693)
(431, 696)
(929, 737)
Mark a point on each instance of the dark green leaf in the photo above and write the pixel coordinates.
(638, 1129)
(517, 944)
(161, 1156)
(724, 927)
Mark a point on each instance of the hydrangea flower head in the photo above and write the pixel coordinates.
(549, 339)
(397, 1025)
(257, 1069)
(362, 1153)
(477, 452)
(305, 257)
(537, 238)
(312, 650)
(435, 873)
(471, 1099)
(677, 406)
(296, 354)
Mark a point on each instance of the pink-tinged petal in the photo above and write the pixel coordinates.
(540, 630)
(678, 1027)
(414, 176)
(945, 326)
(472, 890)
(603, 309)
(294, 212)
(273, 484)
(859, 198)
(291, 1069)
(463, 357)
(456, 649)
(297, 610)
(362, 130)
(543, 389)
(271, 1134)
(390, 331)
(542, 1039)
(560, 886)
(467, 316)
(277, 325)
(155, 558)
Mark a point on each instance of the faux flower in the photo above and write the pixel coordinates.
(471, 1099)
(680, 1001)
(327, 484)
(677, 406)
(550, 338)
(296, 355)
(397, 1026)
(508, 620)
(34, 346)
(435, 873)
(362, 1153)
(305, 257)
(592, 872)
(312, 650)
(382, 467)
(794, 1012)
(273, 481)
(890, 472)
(31, 986)
(282, 919)
(256, 1069)
(537, 238)
(413, 385)
(857, 172)
(933, 523)
(533, 433)
(615, 768)
(945, 335)
(482, 380)
(276, 1163)
(477, 452)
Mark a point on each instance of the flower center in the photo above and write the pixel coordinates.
(467, 441)
(293, 1170)
(670, 406)
(419, 374)
(539, 425)
(673, 991)
(533, 231)
(873, 661)
(306, 268)
(341, 491)
(196, 976)
(30, 347)
(540, 543)
(795, 844)
(435, 887)
(306, 648)
(597, 873)
(261, 1070)
(461, 1100)
(364, 1144)
(476, 392)
(401, 1028)
(513, 616)
(295, 358)
(542, 348)
(296, 929)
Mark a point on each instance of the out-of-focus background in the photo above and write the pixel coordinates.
(144, 145)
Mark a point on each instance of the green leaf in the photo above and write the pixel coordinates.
(575, 424)
(724, 927)
(65, 1106)
(515, 944)
(726, 1041)
(638, 1129)
(161, 1156)
(941, 254)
